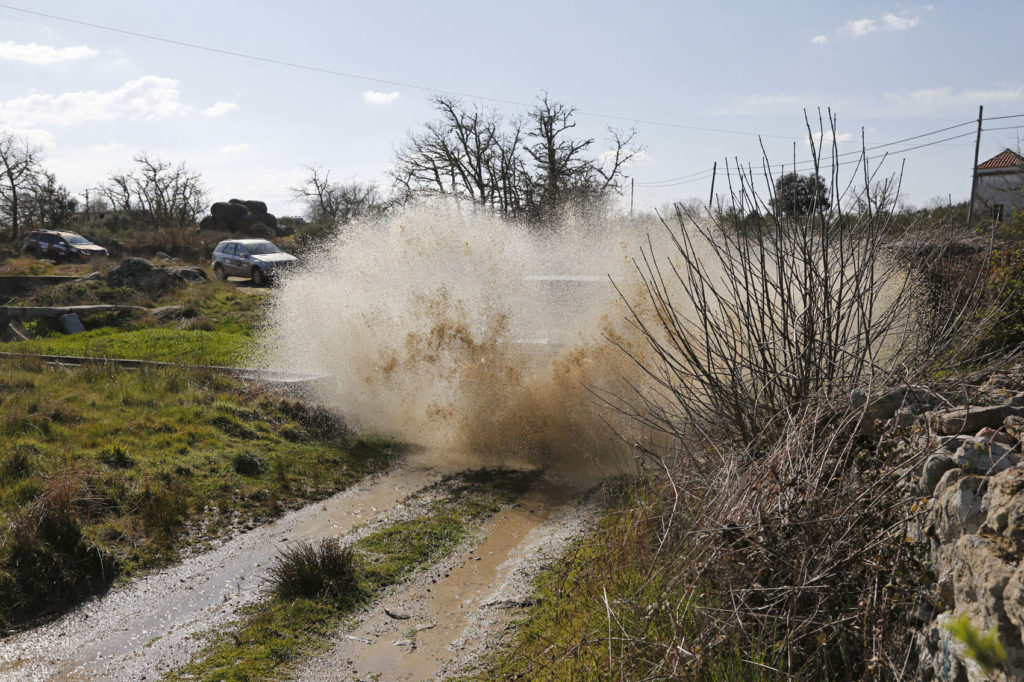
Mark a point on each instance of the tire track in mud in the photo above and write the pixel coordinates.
(452, 613)
(156, 623)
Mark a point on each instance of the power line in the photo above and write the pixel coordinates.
(738, 172)
(804, 163)
(371, 79)
(999, 118)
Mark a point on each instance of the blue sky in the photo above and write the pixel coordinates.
(93, 98)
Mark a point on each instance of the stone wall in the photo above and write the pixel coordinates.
(968, 509)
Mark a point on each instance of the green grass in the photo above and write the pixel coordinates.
(185, 346)
(277, 631)
(612, 608)
(216, 328)
(145, 462)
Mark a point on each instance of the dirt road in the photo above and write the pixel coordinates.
(450, 611)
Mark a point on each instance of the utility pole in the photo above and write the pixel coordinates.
(632, 182)
(974, 175)
(711, 197)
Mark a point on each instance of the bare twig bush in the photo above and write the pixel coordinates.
(750, 319)
(773, 503)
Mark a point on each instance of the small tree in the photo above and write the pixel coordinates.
(156, 193)
(19, 165)
(527, 167)
(329, 205)
(799, 195)
(48, 205)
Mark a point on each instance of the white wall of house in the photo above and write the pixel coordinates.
(999, 187)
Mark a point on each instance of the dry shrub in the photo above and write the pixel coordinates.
(46, 561)
(758, 331)
(323, 569)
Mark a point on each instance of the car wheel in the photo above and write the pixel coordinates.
(218, 270)
(258, 278)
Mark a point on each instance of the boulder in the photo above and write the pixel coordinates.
(980, 578)
(70, 323)
(934, 467)
(985, 457)
(1005, 501)
(958, 506)
(883, 406)
(257, 207)
(973, 419)
(1013, 601)
(192, 274)
(140, 274)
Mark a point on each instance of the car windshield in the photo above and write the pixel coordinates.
(78, 240)
(261, 248)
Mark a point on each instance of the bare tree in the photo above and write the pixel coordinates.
(19, 165)
(563, 170)
(526, 167)
(48, 204)
(157, 193)
(469, 153)
(333, 204)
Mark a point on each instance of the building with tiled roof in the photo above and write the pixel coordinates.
(1000, 191)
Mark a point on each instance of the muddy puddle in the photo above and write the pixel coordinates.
(155, 623)
(440, 621)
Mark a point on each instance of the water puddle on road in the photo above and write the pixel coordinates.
(153, 624)
(440, 606)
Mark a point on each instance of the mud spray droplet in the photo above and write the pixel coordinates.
(484, 339)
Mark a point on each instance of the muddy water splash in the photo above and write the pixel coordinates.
(452, 328)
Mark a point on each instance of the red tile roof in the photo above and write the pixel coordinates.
(1004, 159)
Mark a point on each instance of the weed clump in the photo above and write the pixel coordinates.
(48, 561)
(323, 570)
(248, 464)
(116, 456)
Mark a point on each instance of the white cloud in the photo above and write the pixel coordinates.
(234, 148)
(860, 27)
(640, 158)
(819, 39)
(147, 98)
(900, 22)
(219, 109)
(947, 100)
(374, 97)
(42, 55)
(889, 22)
(35, 136)
(826, 138)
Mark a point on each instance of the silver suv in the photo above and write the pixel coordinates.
(255, 258)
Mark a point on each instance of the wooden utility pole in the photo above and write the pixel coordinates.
(974, 175)
(711, 198)
(632, 183)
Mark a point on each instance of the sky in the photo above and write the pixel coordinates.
(338, 85)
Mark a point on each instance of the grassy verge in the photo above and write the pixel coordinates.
(185, 346)
(614, 608)
(214, 325)
(278, 630)
(105, 471)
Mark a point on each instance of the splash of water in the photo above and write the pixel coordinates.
(451, 328)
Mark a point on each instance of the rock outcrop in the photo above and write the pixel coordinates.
(969, 513)
(140, 274)
(244, 217)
